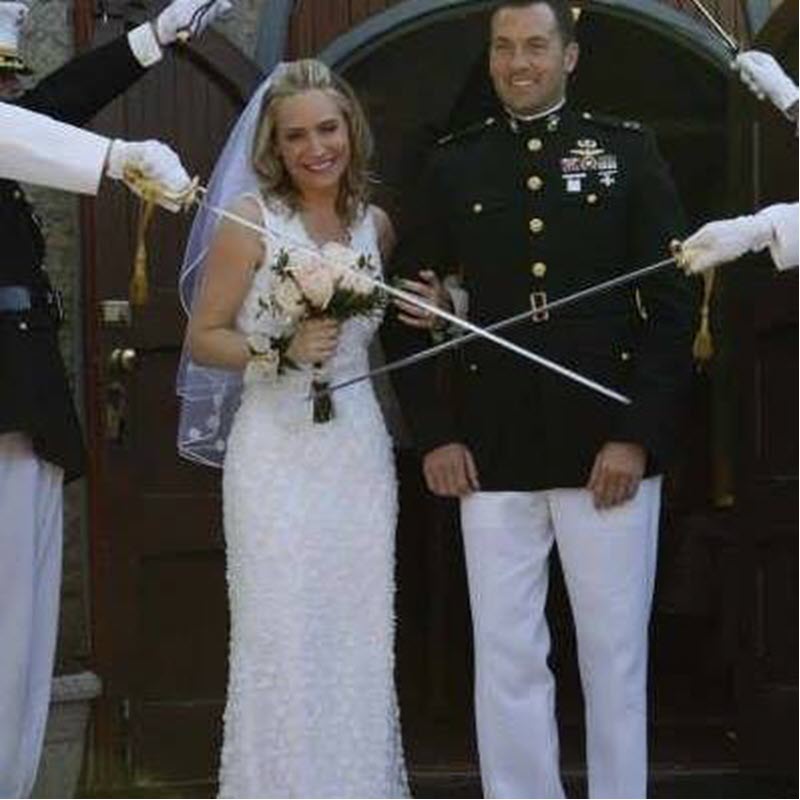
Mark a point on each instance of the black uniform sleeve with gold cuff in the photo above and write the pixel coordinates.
(83, 86)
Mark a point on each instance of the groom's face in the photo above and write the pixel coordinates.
(313, 140)
(529, 61)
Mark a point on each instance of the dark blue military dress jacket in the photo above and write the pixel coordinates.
(528, 213)
(34, 392)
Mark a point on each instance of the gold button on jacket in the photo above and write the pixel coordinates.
(536, 225)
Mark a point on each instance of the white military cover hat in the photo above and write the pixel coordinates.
(12, 18)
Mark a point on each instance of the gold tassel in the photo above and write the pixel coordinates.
(139, 286)
(703, 347)
(151, 193)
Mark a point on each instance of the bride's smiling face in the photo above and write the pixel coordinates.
(312, 140)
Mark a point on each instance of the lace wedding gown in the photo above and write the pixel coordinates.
(310, 512)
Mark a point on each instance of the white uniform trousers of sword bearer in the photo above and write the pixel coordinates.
(609, 560)
(30, 578)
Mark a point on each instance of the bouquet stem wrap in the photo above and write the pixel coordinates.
(323, 402)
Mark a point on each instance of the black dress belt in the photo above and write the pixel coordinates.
(19, 299)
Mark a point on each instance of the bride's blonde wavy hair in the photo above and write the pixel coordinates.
(303, 76)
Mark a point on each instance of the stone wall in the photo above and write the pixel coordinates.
(48, 43)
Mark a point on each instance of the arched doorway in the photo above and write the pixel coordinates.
(410, 62)
(158, 572)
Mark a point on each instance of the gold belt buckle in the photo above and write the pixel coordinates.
(539, 301)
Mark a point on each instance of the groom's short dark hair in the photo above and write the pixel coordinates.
(565, 21)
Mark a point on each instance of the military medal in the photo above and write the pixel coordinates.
(573, 173)
(585, 158)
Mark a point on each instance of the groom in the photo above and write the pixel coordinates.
(531, 204)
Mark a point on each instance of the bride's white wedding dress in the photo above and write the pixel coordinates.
(310, 512)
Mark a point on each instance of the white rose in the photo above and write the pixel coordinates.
(303, 259)
(315, 282)
(356, 281)
(288, 298)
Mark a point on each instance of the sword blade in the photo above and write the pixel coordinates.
(442, 347)
(721, 32)
(474, 330)
(483, 333)
(231, 217)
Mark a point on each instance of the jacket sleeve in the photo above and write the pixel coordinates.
(37, 149)
(426, 245)
(783, 244)
(663, 366)
(85, 85)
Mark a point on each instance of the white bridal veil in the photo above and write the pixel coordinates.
(210, 396)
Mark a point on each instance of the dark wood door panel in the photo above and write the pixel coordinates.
(160, 606)
(153, 410)
(182, 630)
(177, 745)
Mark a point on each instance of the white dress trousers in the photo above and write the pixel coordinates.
(609, 560)
(30, 578)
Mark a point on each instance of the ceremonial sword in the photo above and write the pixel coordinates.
(474, 330)
(733, 45)
(437, 349)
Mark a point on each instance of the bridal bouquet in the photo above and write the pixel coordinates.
(336, 283)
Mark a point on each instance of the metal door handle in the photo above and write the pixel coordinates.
(123, 360)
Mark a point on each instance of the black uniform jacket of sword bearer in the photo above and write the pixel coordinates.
(34, 392)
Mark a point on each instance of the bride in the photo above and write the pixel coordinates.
(309, 507)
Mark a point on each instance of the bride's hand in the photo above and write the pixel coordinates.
(314, 341)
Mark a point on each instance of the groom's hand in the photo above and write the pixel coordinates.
(616, 474)
(450, 471)
(430, 290)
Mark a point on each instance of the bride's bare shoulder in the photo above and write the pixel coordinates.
(248, 207)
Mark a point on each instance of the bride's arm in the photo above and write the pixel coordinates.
(233, 256)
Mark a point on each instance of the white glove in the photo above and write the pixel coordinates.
(191, 16)
(155, 162)
(725, 240)
(764, 77)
